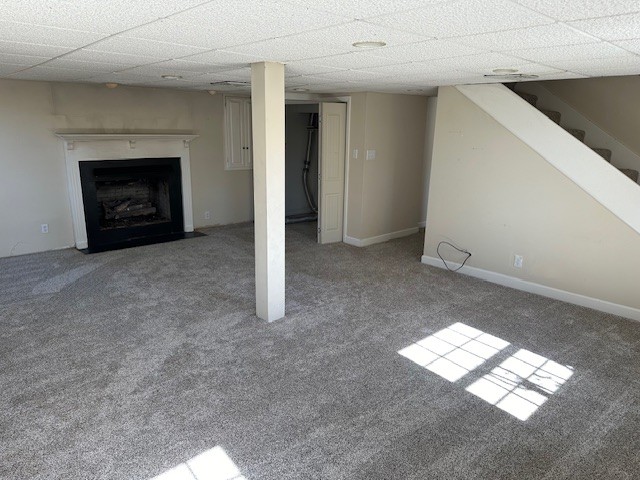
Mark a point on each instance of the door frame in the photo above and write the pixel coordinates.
(292, 99)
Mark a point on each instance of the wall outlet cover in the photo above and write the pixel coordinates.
(518, 261)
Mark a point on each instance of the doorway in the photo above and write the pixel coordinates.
(315, 143)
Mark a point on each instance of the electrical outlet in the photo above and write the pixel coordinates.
(207, 215)
(517, 261)
(44, 228)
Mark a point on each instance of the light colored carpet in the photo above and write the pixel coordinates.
(127, 364)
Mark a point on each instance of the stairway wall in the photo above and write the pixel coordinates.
(495, 196)
(612, 103)
(572, 117)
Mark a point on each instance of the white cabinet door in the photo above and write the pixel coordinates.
(333, 118)
(237, 133)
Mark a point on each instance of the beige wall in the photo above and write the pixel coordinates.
(612, 103)
(33, 188)
(494, 196)
(385, 194)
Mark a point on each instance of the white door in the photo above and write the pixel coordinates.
(332, 143)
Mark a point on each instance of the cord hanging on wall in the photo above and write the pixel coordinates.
(466, 252)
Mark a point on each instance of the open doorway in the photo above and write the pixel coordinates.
(315, 168)
(301, 167)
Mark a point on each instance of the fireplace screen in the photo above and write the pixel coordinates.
(127, 203)
(127, 200)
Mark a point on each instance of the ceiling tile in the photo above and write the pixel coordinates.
(589, 67)
(146, 48)
(429, 50)
(50, 74)
(240, 75)
(328, 41)
(417, 68)
(304, 67)
(348, 75)
(59, 37)
(6, 68)
(630, 45)
(91, 15)
(244, 22)
(182, 69)
(359, 9)
(534, 37)
(353, 60)
(17, 48)
(9, 58)
(578, 9)
(555, 54)
(121, 78)
(221, 57)
(621, 27)
(609, 72)
(475, 63)
(464, 17)
(88, 55)
(88, 67)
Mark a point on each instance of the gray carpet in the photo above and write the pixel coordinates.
(127, 364)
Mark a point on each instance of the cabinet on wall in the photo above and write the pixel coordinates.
(237, 142)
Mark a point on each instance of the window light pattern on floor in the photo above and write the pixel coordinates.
(214, 464)
(454, 351)
(522, 383)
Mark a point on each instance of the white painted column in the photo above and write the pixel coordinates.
(267, 105)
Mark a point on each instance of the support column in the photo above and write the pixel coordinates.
(267, 106)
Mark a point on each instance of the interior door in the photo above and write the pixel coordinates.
(333, 117)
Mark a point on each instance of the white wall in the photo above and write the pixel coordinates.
(385, 194)
(33, 188)
(493, 195)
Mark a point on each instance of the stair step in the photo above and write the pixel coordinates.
(532, 99)
(632, 174)
(604, 153)
(553, 115)
(579, 134)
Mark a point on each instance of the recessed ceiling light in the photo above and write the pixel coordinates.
(502, 71)
(172, 77)
(369, 44)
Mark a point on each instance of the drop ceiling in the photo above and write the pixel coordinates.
(428, 42)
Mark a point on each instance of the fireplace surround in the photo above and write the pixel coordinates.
(125, 155)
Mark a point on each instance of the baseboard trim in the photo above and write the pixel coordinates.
(539, 289)
(422, 224)
(365, 242)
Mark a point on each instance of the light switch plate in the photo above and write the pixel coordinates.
(371, 154)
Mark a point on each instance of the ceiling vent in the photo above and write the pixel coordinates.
(231, 83)
(512, 76)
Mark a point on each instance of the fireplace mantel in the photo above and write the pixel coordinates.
(71, 138)
(82, 147)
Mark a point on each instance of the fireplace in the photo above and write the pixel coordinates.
(131, 201)
(128, 189)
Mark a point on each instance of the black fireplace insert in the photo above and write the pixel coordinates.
(132, 202)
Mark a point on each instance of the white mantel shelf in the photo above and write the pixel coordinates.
(83, 147)
(71, 138)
